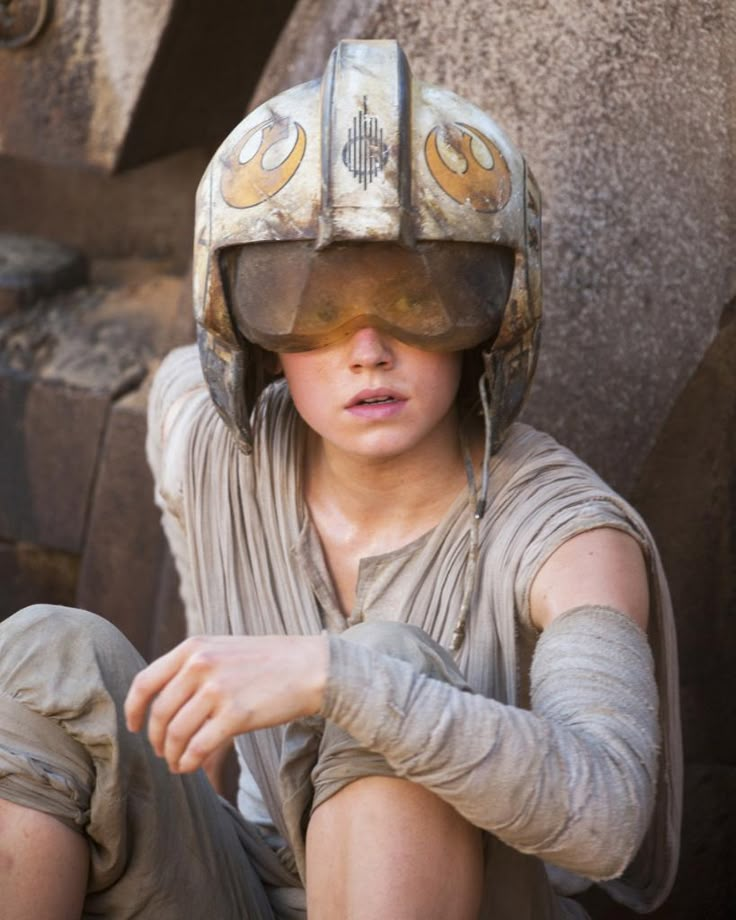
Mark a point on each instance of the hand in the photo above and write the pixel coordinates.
(211, 688)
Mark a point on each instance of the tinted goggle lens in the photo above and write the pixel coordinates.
(287, 296)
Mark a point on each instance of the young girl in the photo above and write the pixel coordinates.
(423, 626)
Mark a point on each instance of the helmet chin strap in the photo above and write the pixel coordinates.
(480, 502)
(484, 388)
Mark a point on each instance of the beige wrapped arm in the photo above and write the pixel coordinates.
(572, 781)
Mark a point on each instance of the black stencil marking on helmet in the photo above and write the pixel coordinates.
(365, 153)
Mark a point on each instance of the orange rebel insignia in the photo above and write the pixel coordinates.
(483, 187)
(251, 182)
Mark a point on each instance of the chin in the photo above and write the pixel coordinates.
(381, 449)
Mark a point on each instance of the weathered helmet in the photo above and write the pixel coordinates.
(366, 156)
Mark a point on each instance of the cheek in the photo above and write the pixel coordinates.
(304, 375)
(297, 370)
(444, 378)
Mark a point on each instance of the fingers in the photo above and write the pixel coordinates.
(147, 684)
(183, 727)
(175, 695)
(181, 698)
(209, 737)
(210, 688)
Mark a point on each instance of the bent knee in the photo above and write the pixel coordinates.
(409, 643)
(385, 635)
(57, 622)
(43, 633)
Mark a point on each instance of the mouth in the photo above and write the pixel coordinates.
(376, 404)
(375, 398)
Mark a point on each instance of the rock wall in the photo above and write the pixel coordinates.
(111, 85)
(687, 492)
(77, 521)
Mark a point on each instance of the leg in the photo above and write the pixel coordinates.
(43, 866)
(385, 847)
(77, 781)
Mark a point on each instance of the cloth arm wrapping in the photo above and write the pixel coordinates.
(571, 781)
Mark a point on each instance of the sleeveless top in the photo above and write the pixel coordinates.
(250, 562)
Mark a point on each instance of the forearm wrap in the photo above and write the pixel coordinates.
(572, 781)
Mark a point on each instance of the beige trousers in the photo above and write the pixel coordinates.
(162, 847)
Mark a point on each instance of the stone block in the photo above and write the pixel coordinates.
(75, 89)
(48, 456)
(143, 213)
(62, 363)
(31, 267)
(112, 84)
(123, 548)
(126, 573)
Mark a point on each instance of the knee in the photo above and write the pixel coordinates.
(45, 634)
(386, 635)
(408, 643)
(56, 623)
(53, 616)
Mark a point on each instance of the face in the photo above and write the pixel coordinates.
(373, 396)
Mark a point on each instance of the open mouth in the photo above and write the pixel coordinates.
(375, 400)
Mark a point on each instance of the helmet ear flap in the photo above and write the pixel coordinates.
(236, 376)
(235, 370)
(508, 371)
(225, 370)
(511, 360)
(224, 360)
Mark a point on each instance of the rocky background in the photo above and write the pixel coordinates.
(626, 112)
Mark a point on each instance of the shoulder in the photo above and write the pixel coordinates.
(544, 496)
(180, 396)
(533, 469)
(526, 449)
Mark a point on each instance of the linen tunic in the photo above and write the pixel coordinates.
(250, 562)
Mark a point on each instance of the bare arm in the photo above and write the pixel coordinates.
(599, 567)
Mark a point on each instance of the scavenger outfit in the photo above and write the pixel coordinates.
(240, 530)
(563, 781)
(314, 219)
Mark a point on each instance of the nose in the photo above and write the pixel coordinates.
(369, 347)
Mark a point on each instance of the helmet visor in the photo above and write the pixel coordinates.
(287, 296)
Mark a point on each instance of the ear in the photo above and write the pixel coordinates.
(272, 364)
(276, 367)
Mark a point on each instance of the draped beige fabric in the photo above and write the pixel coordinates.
(161, 846)
(250, 562)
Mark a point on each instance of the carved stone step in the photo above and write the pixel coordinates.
(31, 267)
